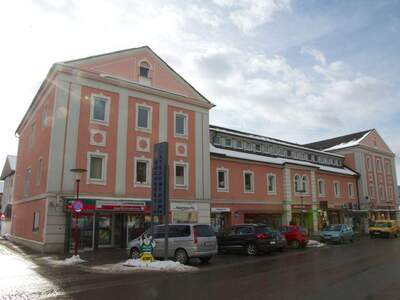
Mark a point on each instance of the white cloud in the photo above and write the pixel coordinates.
(249, 14)
(318, 55)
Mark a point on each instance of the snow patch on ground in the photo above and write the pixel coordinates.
(136, 265)
(315, 244)
(73, 260)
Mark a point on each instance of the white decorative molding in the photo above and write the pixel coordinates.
(97, 137)
(181, 149)
(143, 144)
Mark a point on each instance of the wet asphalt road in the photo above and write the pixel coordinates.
(367, 269)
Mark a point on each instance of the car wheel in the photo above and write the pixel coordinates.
(295, 244)
(251, 250)
(181, 256)
(134, 253)
(205, 260)
(341, 241)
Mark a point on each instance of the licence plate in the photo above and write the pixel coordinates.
(327, 237)
(273, 243)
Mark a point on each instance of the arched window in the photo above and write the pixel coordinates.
(304, 184)
(144, 69)
(297, 183)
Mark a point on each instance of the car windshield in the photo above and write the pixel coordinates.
(333, 228)
(383, 225)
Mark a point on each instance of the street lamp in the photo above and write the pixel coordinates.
(77, 206)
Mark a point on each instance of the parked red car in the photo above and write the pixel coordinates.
(295, 236)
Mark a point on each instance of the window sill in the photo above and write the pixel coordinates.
(248, 192)
(147, 130)
(96, 182)
(180, 136)
(99, 122)
(177, 187)
(222, 190)
(271, 193)
(143, 185)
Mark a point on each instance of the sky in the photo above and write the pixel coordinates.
(295, 70)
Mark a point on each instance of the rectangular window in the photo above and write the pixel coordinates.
(239, 145)
(217, 140)
(36, 221)
(97, 163)
(289, 153)
(336, 189)
(228, 142)
(222, 180)
(351, 190)
(27, 181)
(258, 148)
(142, 172)
(99, 109)
(321, 187)
(248, 146)
(181, 175)
(31, 136)
(143, 117)
(248, 182)
(271, 183)
(143, 71)
(378, 165)
(180, 124)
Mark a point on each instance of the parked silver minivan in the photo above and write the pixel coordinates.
(185, 241)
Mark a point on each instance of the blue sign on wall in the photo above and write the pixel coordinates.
(159, 188)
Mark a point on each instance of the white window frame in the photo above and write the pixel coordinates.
(219, 140)
(107, 107)
(323, 192)
(252, 182)
(273, 192)
(39, 171)
(248, 146)
(306, 188)
(350, 184)
(36, 221)
(185, 134)
(296, 190)
(236, 144)
(148, 162)
(103, 180)
(149, 119)
(337, 195)
(184, 186)
(255, 148)
(226, 171)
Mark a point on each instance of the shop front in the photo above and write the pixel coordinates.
(183, 212)
(302, 216)
(220, 218)
(103, 224)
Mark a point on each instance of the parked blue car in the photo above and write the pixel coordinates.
(338, 233)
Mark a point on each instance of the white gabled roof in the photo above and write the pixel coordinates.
(351, 143)
(277, 160)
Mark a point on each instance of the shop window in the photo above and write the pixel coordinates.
(336, 188)
(185, 217)
(222, 180)
(27, 181)
(143, 117)
(181, 175)
(271, 183)
(97, 167)
(36, 221)
(248, 178)
(142, 172)
(100, 109)
(321, 187)
(180, 124)
(351, 190)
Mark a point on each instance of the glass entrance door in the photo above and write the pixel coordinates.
(86, 226)
(105, 229)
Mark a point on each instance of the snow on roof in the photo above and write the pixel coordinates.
(13, 161)
(351, 143)
(268, 139)
(277, 160)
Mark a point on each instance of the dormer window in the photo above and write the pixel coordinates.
(144, 73)
(144, 69)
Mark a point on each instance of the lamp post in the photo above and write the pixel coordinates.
(77, 206)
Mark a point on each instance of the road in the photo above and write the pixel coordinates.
(367, 269)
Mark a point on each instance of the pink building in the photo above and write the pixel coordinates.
(104, 113)
(368, 154)
(257, 179)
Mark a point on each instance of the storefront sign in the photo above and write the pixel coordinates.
(296, 206)
(183, 206)
(159, 186)
(220, 209)
(89, 205)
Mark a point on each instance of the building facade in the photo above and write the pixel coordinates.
(104, 114)
(256, 179)
(368, 154)
(7, 175)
